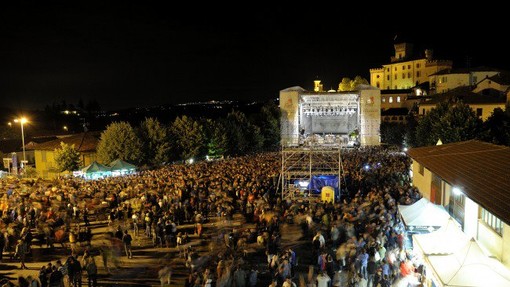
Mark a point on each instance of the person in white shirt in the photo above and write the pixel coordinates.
(323, 279)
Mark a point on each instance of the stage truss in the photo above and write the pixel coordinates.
(301, 163)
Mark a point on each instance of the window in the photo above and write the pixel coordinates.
(418, 65)
(377, 76)
(409, 75)
(418, 74)
(423, 111)
(387, 69)
(378, 85)
(421, 169)
(398, 99)
(492, 221)
(403, 75)
(390, 100)
(387, 87)
(409, 67)
(479, 112)
(395, 68)
(395, 87)
(403, 67)
(384, 99)
(395, 76)
(388, 77)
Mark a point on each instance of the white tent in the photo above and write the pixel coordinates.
(446, 240)
(469, 267)
(423, 213)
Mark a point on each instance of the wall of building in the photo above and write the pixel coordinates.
(422, 181)
(396, 100)
(289, 105)
(405, 75)
(487, 109)
(496, 245)
(489, 84)
(46, 166)
(370, 112)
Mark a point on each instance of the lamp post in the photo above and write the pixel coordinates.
(22, 121)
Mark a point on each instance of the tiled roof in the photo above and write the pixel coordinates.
(481, 170)
(464, 71)
(502, 78)
(83, 142)
(395, 112)
(465, 95)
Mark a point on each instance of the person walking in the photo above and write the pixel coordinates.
(91, 269)
(126, 239)
(21, 252)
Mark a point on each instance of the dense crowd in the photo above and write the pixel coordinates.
(357, 240)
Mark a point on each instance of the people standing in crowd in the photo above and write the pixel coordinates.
(126, 240)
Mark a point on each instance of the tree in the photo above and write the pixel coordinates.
(392, 133)
(450, 121)
(358, 80)
(155, 141)
(243, 136)
(345, 85)
(216, 137)
(119, 141)
(67, 158)
(268, 120)
(188, 136)
(496, 129)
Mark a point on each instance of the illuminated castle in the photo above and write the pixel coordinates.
(406, 71)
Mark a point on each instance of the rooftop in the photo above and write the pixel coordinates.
(83, 142)
(479, 169)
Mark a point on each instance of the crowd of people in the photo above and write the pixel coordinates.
(355, 241)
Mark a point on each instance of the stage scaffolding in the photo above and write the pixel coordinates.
(301, 162)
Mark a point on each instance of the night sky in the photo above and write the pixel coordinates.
(142, 53)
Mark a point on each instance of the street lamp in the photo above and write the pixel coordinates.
(22, 121)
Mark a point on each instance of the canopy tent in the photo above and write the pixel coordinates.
(423, 213)
(469, 267)
(95, 170)
(122, 167)
(446, 240)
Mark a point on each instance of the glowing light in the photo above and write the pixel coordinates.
(303, 183)
(406, 149)
(367, 167)
(456, 191)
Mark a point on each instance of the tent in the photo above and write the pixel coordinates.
(469, 267)
(121, 167)
(95, 170)
(423, 213)
(446, 240)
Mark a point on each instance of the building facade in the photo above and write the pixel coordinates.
(470, 179)
(44, 153)
(449, 79)
(406, 71)
(482, 103)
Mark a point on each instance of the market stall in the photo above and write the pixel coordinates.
(423, 216)
(469, 266)
(120, 167)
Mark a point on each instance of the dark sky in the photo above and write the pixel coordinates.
(144, 53)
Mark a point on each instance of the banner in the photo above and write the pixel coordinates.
(14, 163)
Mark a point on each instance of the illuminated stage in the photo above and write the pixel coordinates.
(315, 126)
